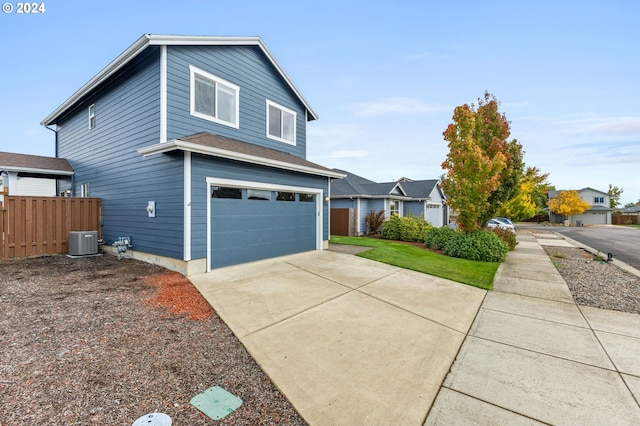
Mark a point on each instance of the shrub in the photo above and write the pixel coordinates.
(374, 221)
(435, 238)
(408, 228)
(390, 229)
(507, 236)
(478, 245)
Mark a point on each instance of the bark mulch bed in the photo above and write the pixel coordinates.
(96, 340)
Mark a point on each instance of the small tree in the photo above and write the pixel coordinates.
(483, 167)
(374, 221)
(532, 196)
(614, 196)
(568, 203)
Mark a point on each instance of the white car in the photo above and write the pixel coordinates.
(495, 223)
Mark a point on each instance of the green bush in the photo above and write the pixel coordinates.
(408, 228)
(435, 238)
(390, 229)
(478, 245)
(507, 236)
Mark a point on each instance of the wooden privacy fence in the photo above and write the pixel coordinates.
(32, 226)
(624, 219)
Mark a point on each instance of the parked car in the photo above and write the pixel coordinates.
(505, 221)
(495, 223)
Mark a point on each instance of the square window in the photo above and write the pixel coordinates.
(286, 196)
(226, 192)
(281, 123)
(213, 98)
(258, 194)
(306, 198)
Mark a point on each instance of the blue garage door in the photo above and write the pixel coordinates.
(250, 224)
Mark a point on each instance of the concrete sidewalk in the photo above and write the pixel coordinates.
(352, 341)
(533, 356)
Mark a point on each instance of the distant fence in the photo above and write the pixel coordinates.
(32, 226)
(624, 219)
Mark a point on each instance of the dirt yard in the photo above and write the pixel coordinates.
(96, 340)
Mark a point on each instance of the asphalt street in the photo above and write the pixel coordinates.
(621, 241)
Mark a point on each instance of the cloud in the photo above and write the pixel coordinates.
(395, 105)
(594, 126)
(348, 154)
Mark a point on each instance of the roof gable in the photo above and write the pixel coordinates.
(172, 40)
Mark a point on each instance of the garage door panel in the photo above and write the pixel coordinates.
(246, 230)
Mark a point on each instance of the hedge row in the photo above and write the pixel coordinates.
(479, 245)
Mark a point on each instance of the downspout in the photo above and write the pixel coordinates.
(56, 155)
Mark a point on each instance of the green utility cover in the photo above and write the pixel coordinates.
(216, 402)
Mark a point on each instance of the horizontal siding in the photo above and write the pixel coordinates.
(127, 117)
(203, 167)
(414, 208)
(244, 66)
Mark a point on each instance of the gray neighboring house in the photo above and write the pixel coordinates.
(421, 198)
(33, 175)
(598, 214)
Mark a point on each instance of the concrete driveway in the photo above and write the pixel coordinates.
(346, 339)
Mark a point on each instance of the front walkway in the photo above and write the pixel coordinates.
(533, 355)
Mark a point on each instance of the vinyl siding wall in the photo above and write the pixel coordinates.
(203, 167)
(244, 66)
(127, 117)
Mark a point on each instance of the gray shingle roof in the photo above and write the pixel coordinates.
(220, 146)
(10, 161)
(354, 185)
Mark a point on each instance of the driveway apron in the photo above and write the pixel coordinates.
(347, 340)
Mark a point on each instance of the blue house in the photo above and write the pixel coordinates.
(197, 148)
(420, 198)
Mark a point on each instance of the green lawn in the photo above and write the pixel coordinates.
(477, 274)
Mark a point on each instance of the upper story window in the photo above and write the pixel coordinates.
(598, 200)
(92, 116)
(213, 98)
(281, 123)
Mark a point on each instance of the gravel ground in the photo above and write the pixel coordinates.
(596, 283)
(80, 344)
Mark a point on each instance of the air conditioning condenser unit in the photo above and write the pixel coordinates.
(82, 243)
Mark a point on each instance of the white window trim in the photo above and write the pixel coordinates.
(295, 123)
(192, 76)
(92, 116)
(387, 207)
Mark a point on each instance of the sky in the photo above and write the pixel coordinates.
(383, 76)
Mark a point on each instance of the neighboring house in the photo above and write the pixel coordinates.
(631, 211)
(421, 198)
(197, 147)
(33, 175)
(598, 214)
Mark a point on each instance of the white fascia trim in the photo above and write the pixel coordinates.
(187, 205)
(163, 94)
(188, 146)
(157, 40)
(401, 189)
(36, 171)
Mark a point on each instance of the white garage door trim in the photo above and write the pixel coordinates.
(212, 181)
